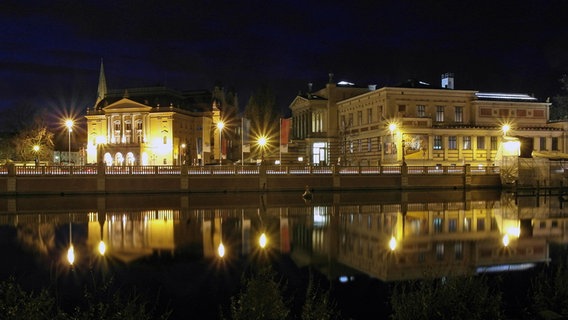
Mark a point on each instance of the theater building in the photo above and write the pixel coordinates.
(156, 125)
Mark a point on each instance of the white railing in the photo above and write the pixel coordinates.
(246, 170)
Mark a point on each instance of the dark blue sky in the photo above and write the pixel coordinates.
(50, 51)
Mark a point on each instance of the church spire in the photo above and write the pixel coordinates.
(102, 89)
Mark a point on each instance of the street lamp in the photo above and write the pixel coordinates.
(36, 150)
(220, 126)
(505, 129)
(392, 129)
(262, 140)
(182, 160)
(69, 125)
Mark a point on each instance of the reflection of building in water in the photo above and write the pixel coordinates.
(130, 236)
(430, 238)
(387, 240)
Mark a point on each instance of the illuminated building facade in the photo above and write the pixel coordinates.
(421, 124)
(155, 125)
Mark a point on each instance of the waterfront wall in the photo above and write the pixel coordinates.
(222, 179)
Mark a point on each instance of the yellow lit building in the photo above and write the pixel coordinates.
(155, 125)
(421, 124)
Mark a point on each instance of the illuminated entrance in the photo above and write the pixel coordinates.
(319, 153)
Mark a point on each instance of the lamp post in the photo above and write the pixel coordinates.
(69, 125)
(505, 129)
(220, 126)
(182, 160)
(36, 150)
(392, 129)
(262, 143)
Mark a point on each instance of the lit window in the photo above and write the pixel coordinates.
(438, 143)
(493, 143)
(452, 143)
(480, 143)
(440, 114)
(420, 111)
(467, 143)
(459, 114)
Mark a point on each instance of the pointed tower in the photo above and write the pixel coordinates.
(102, 89)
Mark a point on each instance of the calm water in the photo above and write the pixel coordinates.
(357, 244)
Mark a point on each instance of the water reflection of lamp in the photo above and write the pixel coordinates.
(71, 250)
(102, 245)
(262, 240)
(392, 243)
(221, 250)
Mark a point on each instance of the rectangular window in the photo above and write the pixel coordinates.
(480, 224)
(458, 250)
(438, 225)
(343, 123)
(459, 114)
(440, 251)
(379, 144)
(467, 224)
(554, 144)
(493, 143)
(139, 125)
(452, 143)
(420, 111)
(485, 112)
(128, 126)
(369, 144)
(359, 118)
(402, 108)
(350, 123)
(438, 143)
(369, 116)
(453, 225)
(480, 143)
(542, 144)
(467, 143)
(440, 114)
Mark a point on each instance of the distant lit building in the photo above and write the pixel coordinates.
(155, 125)
(420, 124)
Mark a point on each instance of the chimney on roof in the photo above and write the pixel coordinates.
(372, 87)
(448, 80)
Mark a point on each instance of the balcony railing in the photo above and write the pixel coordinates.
(245, 170)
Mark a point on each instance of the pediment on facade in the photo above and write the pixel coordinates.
(299, 102)
(127, 105)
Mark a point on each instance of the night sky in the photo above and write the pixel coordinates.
(50, 51)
